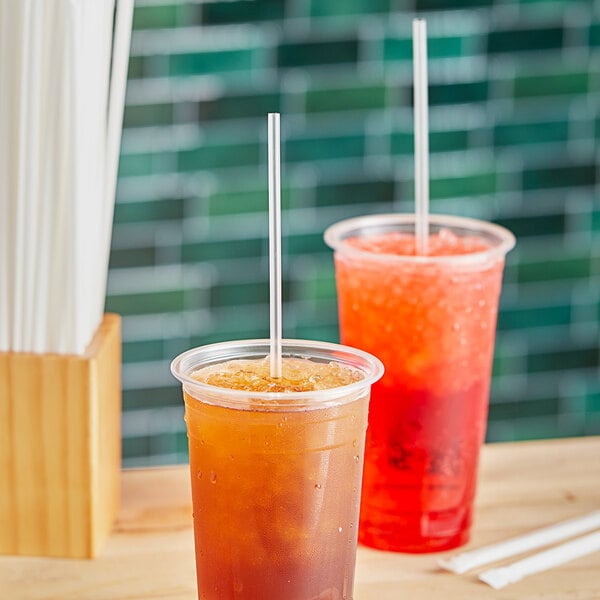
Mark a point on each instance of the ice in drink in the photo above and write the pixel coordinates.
(276, 467)
(431, 320)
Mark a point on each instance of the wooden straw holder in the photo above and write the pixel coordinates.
(60, 448)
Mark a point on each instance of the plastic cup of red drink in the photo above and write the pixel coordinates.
(276, 467)
(431, 319)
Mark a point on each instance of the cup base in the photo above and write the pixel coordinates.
(414, 534)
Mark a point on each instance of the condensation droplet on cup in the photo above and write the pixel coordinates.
(356, 458)
(456, 326)
(199, 475)
(339, 529)
(354, 442)
(213, 477)
(317, 486)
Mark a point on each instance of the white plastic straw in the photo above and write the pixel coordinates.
(275, 243)
(542, 561)
(421, 135)
(466, 561)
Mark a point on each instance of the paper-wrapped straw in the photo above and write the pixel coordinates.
(542, 561)
(545, 536)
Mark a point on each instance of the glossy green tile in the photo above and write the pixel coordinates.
(555, 266)
(359, 97)
(372, 192)
(527, 132)
(242, 11)
(559, 177)
(208, 156)
(458, 93)
(139, 304)
(239, 106)
(532, 84)
(314, 53)
(214, 249)
(520, 39)
(140, 351)
(324, 148)
(155, 210)
(340, 8)
(148, 115)
(468, 185)
(143, 256)
(535, 225)
(224, 61)
(155, 17)
(154, 397)
(572, 358)
(534, 316)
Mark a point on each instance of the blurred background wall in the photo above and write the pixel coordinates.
(514, 119)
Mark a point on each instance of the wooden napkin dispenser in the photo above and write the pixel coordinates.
(60, 448)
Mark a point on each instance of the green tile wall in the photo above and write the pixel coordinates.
(514, 118)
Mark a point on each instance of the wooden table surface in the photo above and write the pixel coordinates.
(150, 555)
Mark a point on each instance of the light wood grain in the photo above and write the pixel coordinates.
(150, 555)
(60, 448)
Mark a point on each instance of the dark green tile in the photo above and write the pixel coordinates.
(136, 68)
(148, 115)
(141, 304)
(367, 192)
(136, 447)
(238, 294)
(154, 210)
(242, 11)
(533, 84)
(529, 39)
(144, 256)
(219, 249)
(339, 8)
(154, 397)
(304, 243)
(324, 148)
(359, 97)
(527, 132)
(469, 185)
(564, 360)
(142, 351)
(535, 225)
(458, 93)
(220, 156)
(559, 177)
(312, 53)
(594, 36)
(534, 316)
(197, 63)
(554, 267)
(155, 17)
(402, 143)
(136, 165)
(239, 106)
(424, 5)
(524, 408)
(246, 200)
(397, 49)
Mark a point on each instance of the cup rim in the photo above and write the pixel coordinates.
(336, 234)
(183, 364)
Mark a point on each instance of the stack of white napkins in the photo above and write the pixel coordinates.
(535, 563)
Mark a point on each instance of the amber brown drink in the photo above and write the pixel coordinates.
(276, 467)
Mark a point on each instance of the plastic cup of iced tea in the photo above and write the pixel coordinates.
(431, 320)
(276, 466)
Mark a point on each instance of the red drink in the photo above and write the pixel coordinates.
(431, 320)
(276, 467)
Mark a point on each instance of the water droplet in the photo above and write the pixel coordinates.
(481, 302)
(456, 326)
(199, 475)
(354, 442)
(356, 458)
(340, 529)
(317, 486)
(213, 477)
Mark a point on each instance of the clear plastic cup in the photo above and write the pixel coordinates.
(276, 476)
(431, 319)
